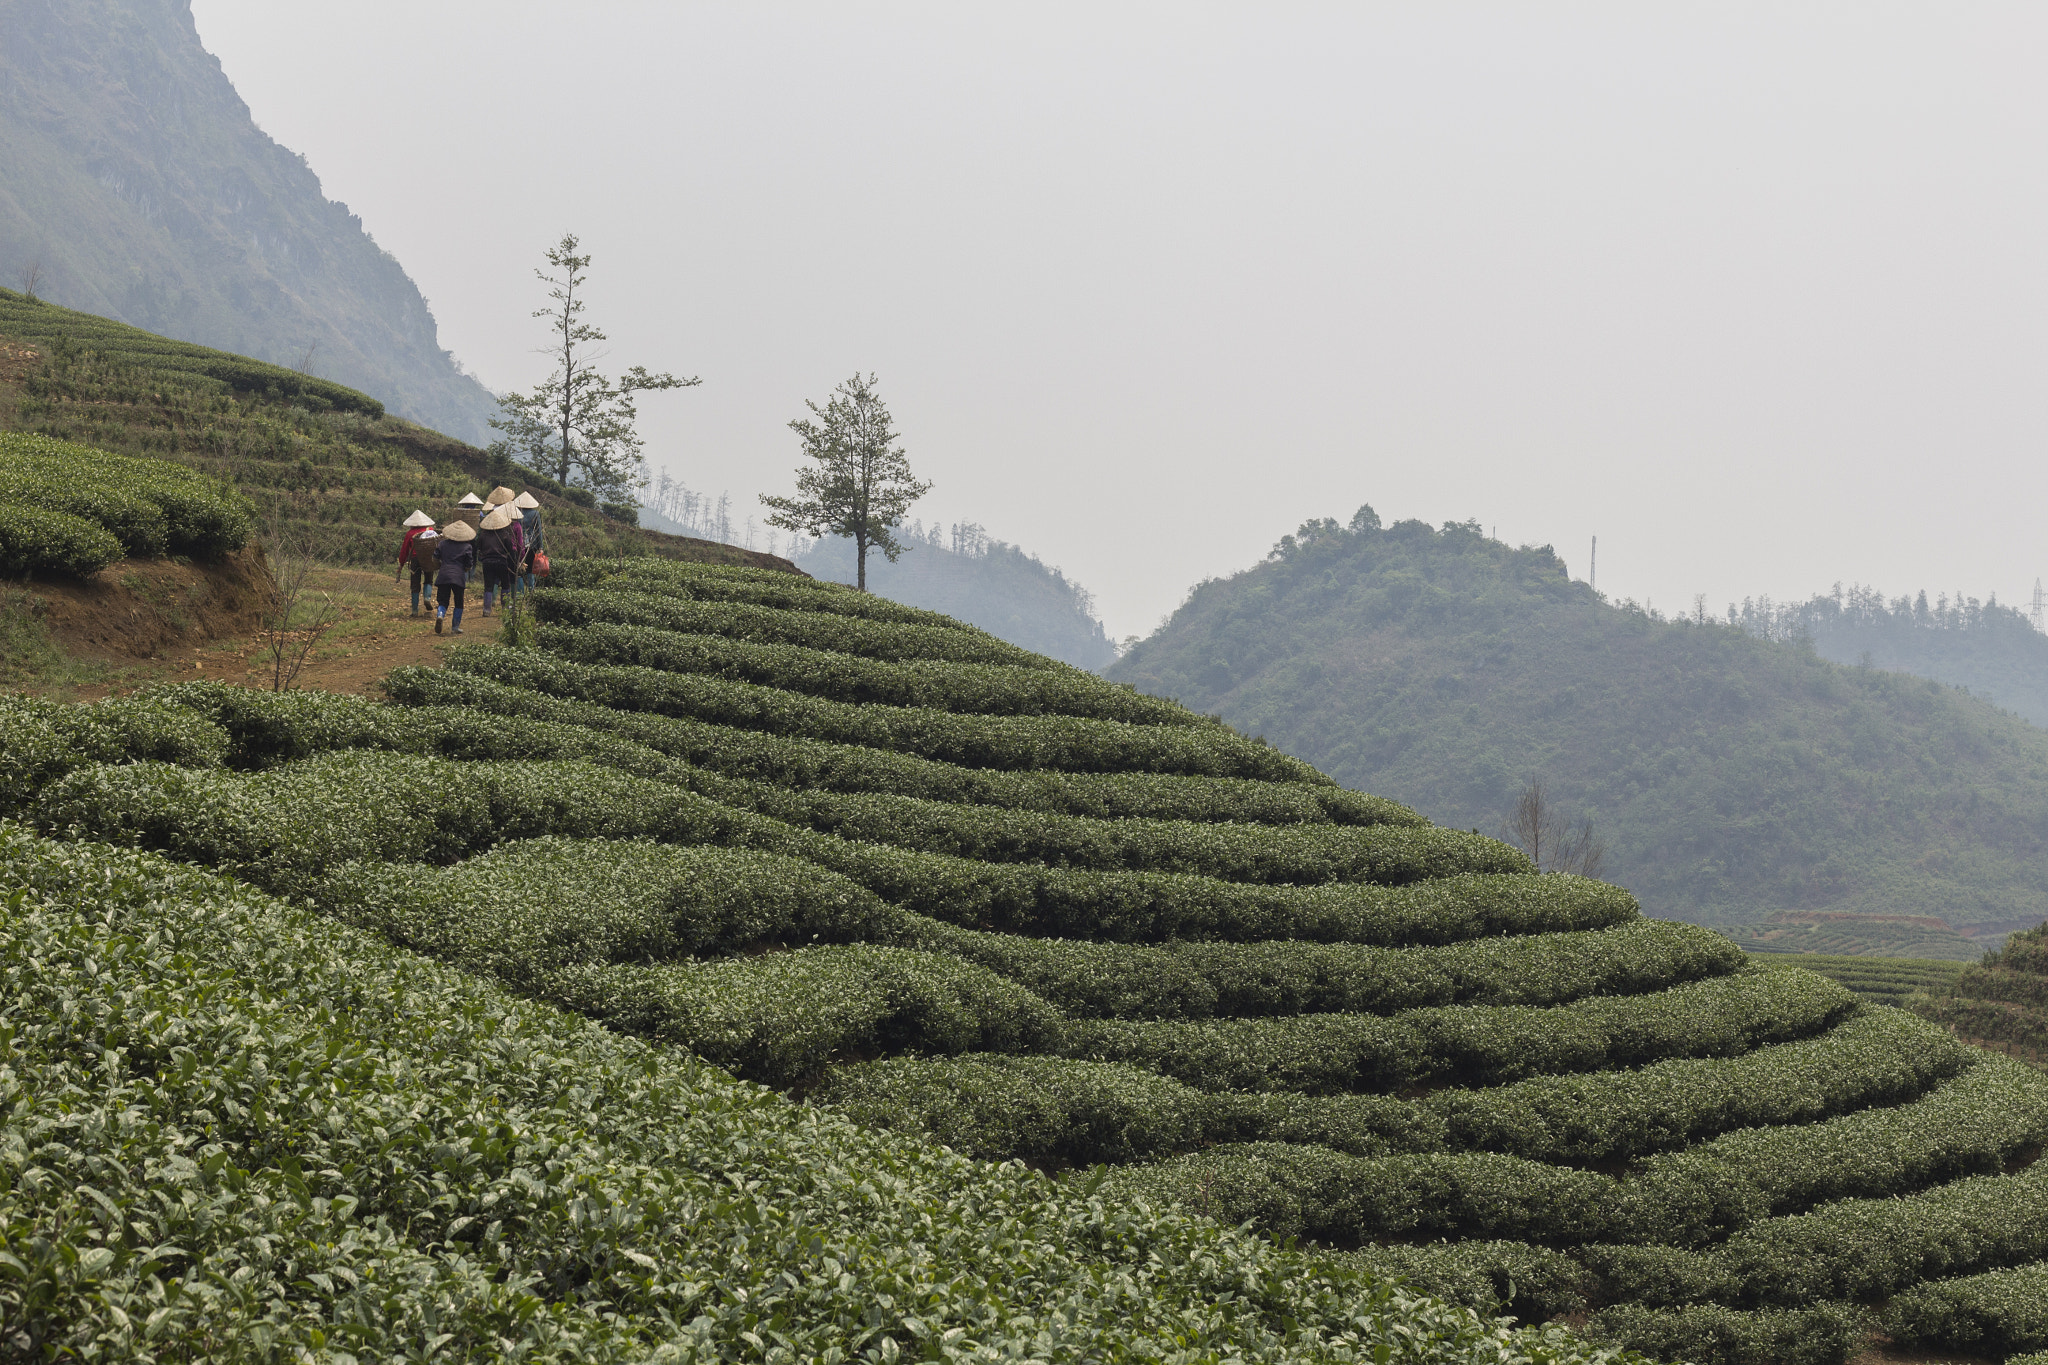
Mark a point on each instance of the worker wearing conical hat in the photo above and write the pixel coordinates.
(529, 518)
(500, 494)
(470, 508)
(458, 556)
(415, 525)
(495, 547)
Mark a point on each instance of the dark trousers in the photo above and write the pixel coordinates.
(497, 578)
(443, 592)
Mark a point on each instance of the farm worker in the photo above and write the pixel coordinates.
(498, 495)
(470, 508)
(529, 516)
(458, 557)
(415, 525)
(494, 547)
(515, 531)
(426, 563)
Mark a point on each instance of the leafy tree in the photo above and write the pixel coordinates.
(579, 425)
(861, 486)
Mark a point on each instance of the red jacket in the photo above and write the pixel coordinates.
(412, 533)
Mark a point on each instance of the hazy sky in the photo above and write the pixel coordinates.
(1758, 293)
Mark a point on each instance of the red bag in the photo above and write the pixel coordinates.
(540, 564)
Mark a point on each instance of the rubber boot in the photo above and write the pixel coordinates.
(439, 612)
(489, 594)
(415, 601)
(458, 622)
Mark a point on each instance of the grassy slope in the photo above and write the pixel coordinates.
(320, 461)
(1312, 1022)
(1733, 776)
(2003, 999)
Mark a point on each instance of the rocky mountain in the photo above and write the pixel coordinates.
(134, 183)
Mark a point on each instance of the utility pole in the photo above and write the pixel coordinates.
(1593, 567)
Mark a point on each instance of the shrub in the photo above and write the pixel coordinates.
(44, 740)
(1996, 1313)
(1532, 1282)
(827, 766)
(684, 581)
(1199, 980)
(397, 1153)
(1709, 1334)
(1470, 1044)
(966, 688)
(531, 905)
(36, 539)
(889, 641)
(1062, 742)
(1230, 852)
(149, 506)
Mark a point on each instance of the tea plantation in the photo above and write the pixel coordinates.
(316, 1094)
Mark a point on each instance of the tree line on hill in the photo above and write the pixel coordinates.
(1731, 771)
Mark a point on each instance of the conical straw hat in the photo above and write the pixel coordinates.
(469, 500)
(461, 530)
(527, 500)
(499, 518)
(498, 495)
(419, 518)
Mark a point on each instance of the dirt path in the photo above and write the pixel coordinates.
(376, 634)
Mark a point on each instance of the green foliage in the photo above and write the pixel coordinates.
(1306, 854)
(1997, 1313)
(1731, 775)
(396, 1153)
(686, 582)
(977, 689)
(855, 768)
(44, 740)
(1883, 980)
(2003, 999)
(886, 641)
(1469, 1044)
(37, 540)
(1014, 742)
(151, 507)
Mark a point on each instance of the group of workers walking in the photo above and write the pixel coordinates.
(498, 536)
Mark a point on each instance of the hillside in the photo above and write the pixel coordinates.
(135, 177)
(1992, 650)
(323, 464)
(1732, 776)
(2001, 1000)
(923, 880)
(989, 583)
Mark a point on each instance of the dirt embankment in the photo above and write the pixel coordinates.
(147, 608)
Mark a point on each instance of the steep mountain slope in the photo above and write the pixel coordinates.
(1734, 776)
(931, 882)
(135, 177)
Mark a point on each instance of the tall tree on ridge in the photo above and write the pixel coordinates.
(578, 425)
(861, 486)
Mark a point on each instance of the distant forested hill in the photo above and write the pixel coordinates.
(1993, 650)
(134, 178)
(1734, 775)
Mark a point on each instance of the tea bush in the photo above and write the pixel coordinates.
(41, 540)
(240, 1133)
(891, 641)
(1026, 742)
(151, 507)
(967, 688)
(1997, 1313)
(828, 766)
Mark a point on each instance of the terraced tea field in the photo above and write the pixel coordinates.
(927, 884)
(1882, 980)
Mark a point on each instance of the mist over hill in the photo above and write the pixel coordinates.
(1991, 649)
(136, 181)
(1734, 775)
(959, 570)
